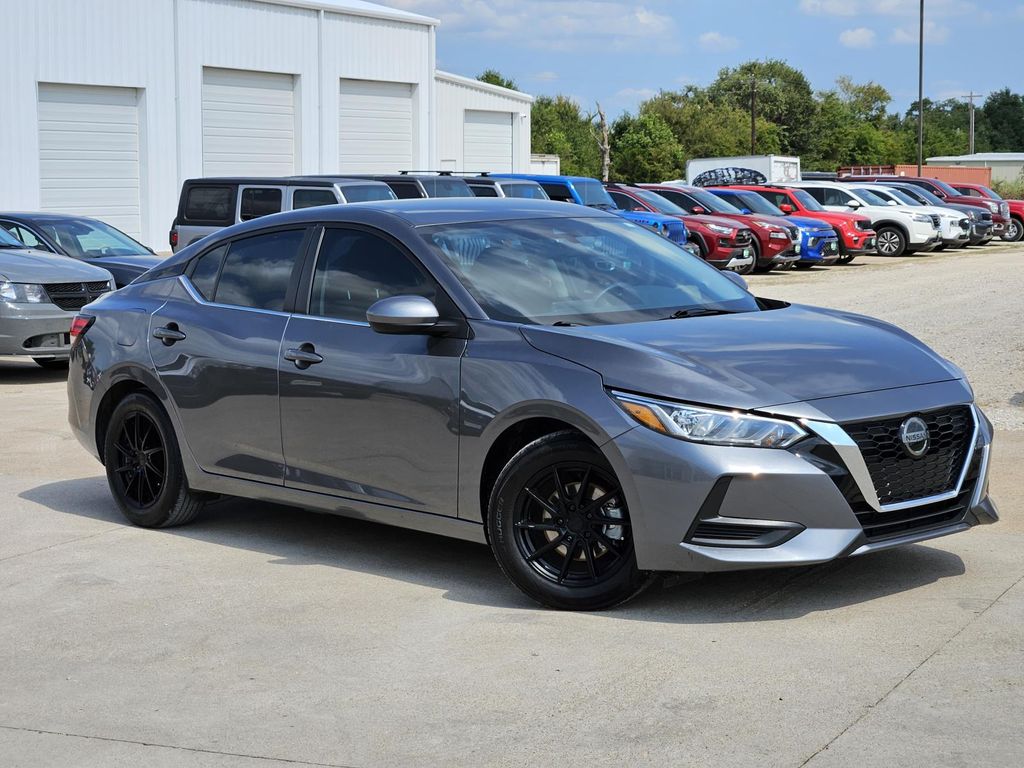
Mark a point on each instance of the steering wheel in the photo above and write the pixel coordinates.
(612, 287)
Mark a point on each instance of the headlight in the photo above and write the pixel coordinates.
(720, 229)
(22, 293)
(994, 207)
(923, 218)
(111, 285)
(778, 236)
(707, 425)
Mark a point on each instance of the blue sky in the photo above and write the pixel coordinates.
(622, 51)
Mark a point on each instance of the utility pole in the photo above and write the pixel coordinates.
(753, 115)
(970, 111)
(920, 93)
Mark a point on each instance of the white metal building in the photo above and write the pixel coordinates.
(1006, 166)
(108, 105)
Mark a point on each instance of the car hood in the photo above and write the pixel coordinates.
(750, 360)
(30, 266)
(140, 262)
(808, 223)
(778, 221)
(705, 219)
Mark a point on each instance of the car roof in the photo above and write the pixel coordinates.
(46, 216)
(542, 177)
(281, 181)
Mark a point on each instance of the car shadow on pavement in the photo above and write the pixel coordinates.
(467, 572)
(18, 373)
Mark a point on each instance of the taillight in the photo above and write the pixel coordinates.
(173, 238)
(79, 326)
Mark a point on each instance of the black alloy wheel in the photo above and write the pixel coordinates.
(141, 460)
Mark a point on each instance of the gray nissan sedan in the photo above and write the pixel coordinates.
(565, 386)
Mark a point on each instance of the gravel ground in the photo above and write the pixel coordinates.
(265, 637)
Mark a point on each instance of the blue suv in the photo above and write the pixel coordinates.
(591, 193)
(819, 243)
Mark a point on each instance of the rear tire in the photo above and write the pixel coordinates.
(890, 241)
(144, 469)
(51, 364)
(559, 527)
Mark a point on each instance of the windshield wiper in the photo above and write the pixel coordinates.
(697, 312)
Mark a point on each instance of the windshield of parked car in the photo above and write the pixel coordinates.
(868, 197)
(364, 193)
(659, 203)
(713, 203)
(806, 200)
(85, 239)
(7, 240)
(903, 197)
(944, 187)
(580, 271)
(754, 202)
(923, 196)
(593, 194)
(525, 191)
(989, 192)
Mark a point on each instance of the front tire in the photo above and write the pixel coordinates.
(559, 527)
(143, 463)
(890, 241)
(1014, 231)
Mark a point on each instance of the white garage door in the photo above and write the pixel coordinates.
(487, 141)
(248, 123)
(375, 127)
(89, 153)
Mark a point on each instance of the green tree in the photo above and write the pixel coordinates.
(645, 149)
(784, 97)
(868, 101)
(494, 77)
(559, 127)
(1003, 114)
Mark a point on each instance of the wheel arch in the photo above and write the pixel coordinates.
(126, 381)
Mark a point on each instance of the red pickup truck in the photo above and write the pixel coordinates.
(1015, 227)
(999, 209)
(855, 232)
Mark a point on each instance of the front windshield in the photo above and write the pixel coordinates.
(7, 240)
(86, 239)
(806, 200)
(869, 198)
(364, 193)
(903, 197)
(945, 187)
(659, 203)
(989, 192)
(593, 194)
(524, 191)
(712, 203)
(757, 204)
(585, 271)
(923, 196)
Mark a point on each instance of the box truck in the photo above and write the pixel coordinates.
(774, 168)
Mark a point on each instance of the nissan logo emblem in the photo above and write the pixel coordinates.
(914, 436)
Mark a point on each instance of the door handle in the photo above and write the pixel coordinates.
(169, 334)
(304, 356)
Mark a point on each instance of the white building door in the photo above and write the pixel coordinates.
(248, 123)
(89, 153)
(487, 141)
(375, 127)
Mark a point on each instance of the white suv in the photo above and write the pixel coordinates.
(954, 225)
(899, 229)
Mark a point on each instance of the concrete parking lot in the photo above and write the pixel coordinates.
(265, 636)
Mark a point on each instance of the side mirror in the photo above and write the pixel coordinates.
(737, 278)
(697, 210)
(787, 209)
(402, 314)
(855, 204)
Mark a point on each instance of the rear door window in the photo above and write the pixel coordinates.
(212, 205)
(258, 270)
(311, 198)
(483, 190)
(559, 192)
(259, 201)
(405, 190)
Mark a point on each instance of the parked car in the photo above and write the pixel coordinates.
(555, 382)
(954, 226)
(89, 240)
(39, 295)
(819, 244)
(898, 230)
(721, 242)
(415, 185)
(486, 185)
(208, 205)
(1015, 226)
(856, 234)
(942, 190)
(590, 193)
(776, 242)
(981, 218)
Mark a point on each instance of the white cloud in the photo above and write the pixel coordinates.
(829, 7)
(716, 42)
(860, 37)
(934, 34)
(565, 25)
(934, 8)
(544, 77)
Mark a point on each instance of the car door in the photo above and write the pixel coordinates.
(215, 345)
(365, 415)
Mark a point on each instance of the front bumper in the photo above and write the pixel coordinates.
(698, 508)
(34, 330)
(857, 243)
(820, 249)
